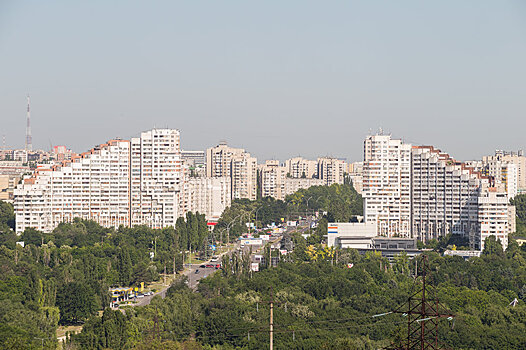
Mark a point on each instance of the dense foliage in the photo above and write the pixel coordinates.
(322, 304)
(520, 205)
(63, 277)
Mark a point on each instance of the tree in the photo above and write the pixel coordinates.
(7, 216)
(76, 303)
(492, 247)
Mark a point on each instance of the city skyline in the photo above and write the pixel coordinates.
(300, 79)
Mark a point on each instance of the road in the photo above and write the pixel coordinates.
(195, 273)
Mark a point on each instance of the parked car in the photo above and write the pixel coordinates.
(140, 295)
(209, 265)
(218, 266)
(202, 266)
(196, 271)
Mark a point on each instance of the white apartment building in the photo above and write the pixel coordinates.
(237, 164)
(387, 185)
(272, 179)
(207, 195)
(331, 170)
(516, 158)
(121, 182)
(492, 217)
(299, 167)
(156, 175)
(94, 185)
(444, 195)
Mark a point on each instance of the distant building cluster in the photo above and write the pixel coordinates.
(420, 192)
(149, 180)
(142, 181)
(409, 192)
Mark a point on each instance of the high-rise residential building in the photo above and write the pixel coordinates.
(492, 217)
(444, 195)
(244, 170)
(331, 170)
(299, 167)
(272, 179)
(207, 195)
(491, 163)
(94, 185)
(387, 185)
(121, 182)
(155, 178)
(237, 164)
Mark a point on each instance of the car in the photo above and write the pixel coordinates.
(214, 259)
(209, 265)
(196, 271)
(218, 266)
(140, 295)
(202, 266)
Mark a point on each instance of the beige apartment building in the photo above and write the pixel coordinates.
(237, 164)
(493, 164)
(331, 170)
(293, 185)
(272, 179)
(7, 186)
(299, 167)
(207, 195)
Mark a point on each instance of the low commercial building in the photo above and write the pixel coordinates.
(350, 234)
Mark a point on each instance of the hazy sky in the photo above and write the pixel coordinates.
(279, 78)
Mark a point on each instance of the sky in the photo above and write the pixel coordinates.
(278, 78)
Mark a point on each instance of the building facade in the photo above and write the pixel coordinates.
(492, 164)
(207, 195)
(156, 175)
(237, 164)
(272, 179)
(444, 195)
(122, 182)
(93, 186)
(387, 185)
(299, 167)
(331, 170)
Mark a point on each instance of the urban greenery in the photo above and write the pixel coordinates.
(320, 303)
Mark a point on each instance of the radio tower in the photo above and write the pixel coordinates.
(29, 139)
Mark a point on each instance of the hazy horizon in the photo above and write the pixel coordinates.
(278, 79)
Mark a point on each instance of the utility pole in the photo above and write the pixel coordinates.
(423, 312)
(271, 319)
